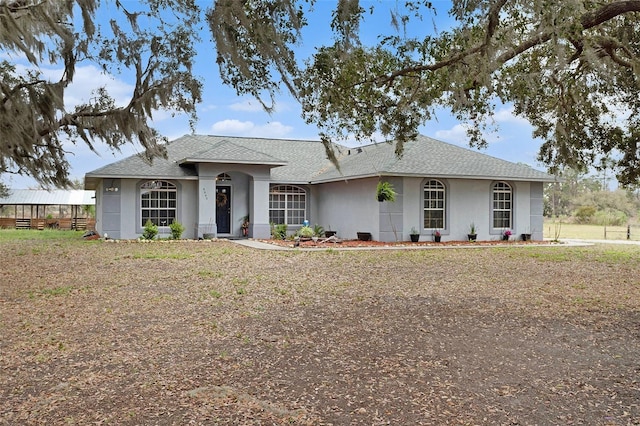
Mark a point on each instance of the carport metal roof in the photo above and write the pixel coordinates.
(43, 197)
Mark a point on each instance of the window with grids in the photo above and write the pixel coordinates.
(434, 205)
(502, 205)
(287, 204)
(158, 202)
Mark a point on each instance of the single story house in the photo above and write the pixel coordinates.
(211, 183)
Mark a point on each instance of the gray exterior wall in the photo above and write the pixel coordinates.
(349, 207)
(108, 208)
(470, 201)
(391, 221)
(537, 210)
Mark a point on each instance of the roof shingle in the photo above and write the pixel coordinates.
(298, 161)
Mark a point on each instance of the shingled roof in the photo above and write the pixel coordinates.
(425, 156)
(299, 161)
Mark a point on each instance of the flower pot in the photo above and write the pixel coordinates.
(505, 238)
(329, 234)
(437, 238)
(414, 237)
(472, 237)
(364, 236)
(525, 237)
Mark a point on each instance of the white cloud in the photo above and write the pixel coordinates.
(274, 129)
(457, 134)
(88, 79)
(232, 126)
(247, 106)
(505, 125)
(506, 115)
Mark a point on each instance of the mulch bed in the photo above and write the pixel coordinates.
(323, 243)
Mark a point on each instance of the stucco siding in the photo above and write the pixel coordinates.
(108, 203)
(470, 201)
(187, 207)
(537, 210)
(349, 207)
(391, 219)
(129, 214)
(521, 205)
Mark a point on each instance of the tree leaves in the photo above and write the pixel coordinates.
(34, 120)
(570, 68)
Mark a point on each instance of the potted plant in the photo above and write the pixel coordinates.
(437, 236)
(305, 233)
(506, 234)
(245, 225)
(364, 236)
(414, 235)
(473, 232)
(385, 192)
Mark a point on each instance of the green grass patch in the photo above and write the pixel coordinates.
(215, 294)
(210, 274)
(177, 256)
(588, 232)
(57, 291)
(32, 234)
(610, 254)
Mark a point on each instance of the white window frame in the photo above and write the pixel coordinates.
(290, 202)
(501, 202)
(437, 204)
(158, 196)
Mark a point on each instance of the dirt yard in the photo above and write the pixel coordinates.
(215, 333)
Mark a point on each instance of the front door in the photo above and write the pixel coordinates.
(223, 209)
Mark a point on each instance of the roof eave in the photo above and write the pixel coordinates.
(229, 161)
(551, 179)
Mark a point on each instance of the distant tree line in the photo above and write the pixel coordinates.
(582, 198)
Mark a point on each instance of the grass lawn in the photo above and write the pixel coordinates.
(588, 232)
(45, 234)
(215, 333)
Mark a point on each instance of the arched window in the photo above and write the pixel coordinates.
(158, 202)
(502, 206)
(287, 204)
(434, 199)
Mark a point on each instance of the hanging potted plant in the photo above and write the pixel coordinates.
(385, 192)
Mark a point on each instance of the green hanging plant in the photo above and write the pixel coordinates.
(385, 192)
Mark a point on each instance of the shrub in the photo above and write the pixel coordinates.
(176, 230)
(150, 230)
(610, 218)
(306, 232)
(279, 231)
(318, 230)
(583, 214)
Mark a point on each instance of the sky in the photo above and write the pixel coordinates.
(223, 113)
